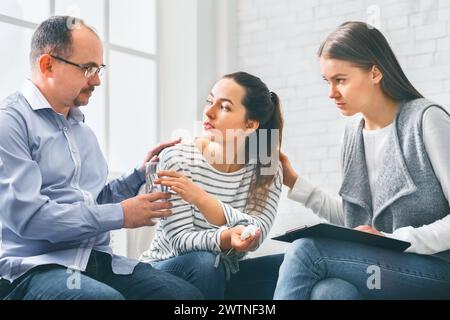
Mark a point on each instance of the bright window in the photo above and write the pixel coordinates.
(123, 111)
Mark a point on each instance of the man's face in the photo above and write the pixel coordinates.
(71, 85)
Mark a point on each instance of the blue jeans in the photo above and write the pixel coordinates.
(197, 268)
(318, 268)
(255, 280)
(53, 282)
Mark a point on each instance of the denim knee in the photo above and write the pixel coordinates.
(302, 249)
(208, 278)
(204, 265)
(335, 289)
(99, 293)
(182, 290)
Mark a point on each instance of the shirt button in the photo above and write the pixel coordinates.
(65, 129)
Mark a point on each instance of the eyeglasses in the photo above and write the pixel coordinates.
(89, 69)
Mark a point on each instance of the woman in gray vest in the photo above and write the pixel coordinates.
(396, 183)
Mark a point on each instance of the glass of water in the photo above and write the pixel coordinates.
(150, 177)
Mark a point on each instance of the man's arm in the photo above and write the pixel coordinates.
(122, 188)
(126, 187)
(32, 215)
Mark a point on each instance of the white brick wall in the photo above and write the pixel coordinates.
(278, 40)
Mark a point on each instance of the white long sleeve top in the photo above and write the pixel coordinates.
(427, 239)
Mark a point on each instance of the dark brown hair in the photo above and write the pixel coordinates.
(365, 46)
(263, 106)
(54, 36)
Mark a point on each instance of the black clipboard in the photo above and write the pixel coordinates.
(331, 231)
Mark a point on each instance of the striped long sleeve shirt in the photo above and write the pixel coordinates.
(187, 230)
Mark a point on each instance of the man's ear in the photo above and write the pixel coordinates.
(376, 75)
(252, 126)
(45, 65)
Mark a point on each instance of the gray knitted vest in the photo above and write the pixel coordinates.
(406, 192)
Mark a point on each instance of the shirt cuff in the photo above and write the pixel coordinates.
(227, 214)
(136, 178)
(218, 235)
(109, 216)
(301, 190)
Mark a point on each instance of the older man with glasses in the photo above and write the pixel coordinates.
(56, 207)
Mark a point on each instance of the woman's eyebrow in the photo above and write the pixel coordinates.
(227, 100)
(222, 99)
(335, 76)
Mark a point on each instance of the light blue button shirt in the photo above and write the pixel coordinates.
(55, 203)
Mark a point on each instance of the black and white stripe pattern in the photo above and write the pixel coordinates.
(187, 229)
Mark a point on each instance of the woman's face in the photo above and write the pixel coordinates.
(224, 114)
(352, 88)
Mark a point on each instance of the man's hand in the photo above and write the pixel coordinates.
(182, 185)
(140, 211)
(153, 153)
(369, 229)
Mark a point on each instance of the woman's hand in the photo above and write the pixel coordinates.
(289, 174)
(182, 185)
(369, 229)
(243, 245)
(210, 207)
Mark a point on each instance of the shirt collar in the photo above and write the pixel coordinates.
(37, 101)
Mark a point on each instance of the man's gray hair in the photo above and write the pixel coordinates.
(53, 36)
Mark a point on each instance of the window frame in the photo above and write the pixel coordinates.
(108, 47)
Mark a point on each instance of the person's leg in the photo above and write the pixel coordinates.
(56, 283)
(198, 269)
(148, 283)
(256, 279)
(335, 289)
(376, 273)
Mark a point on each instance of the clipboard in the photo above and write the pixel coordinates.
(331, 231)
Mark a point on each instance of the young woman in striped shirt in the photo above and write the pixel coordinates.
(220, 183)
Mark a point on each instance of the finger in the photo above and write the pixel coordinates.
(177, 190)
(161, 214)
(171, 143)
(170, 173)
(174, 182)
(254, 242)
(154, 159)
(149, 222)
(257, 234)
(282, 156)
(167, 144)
(160, 205)
(166, 179)
(250, 241)
(178, 185)
(154, 196)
